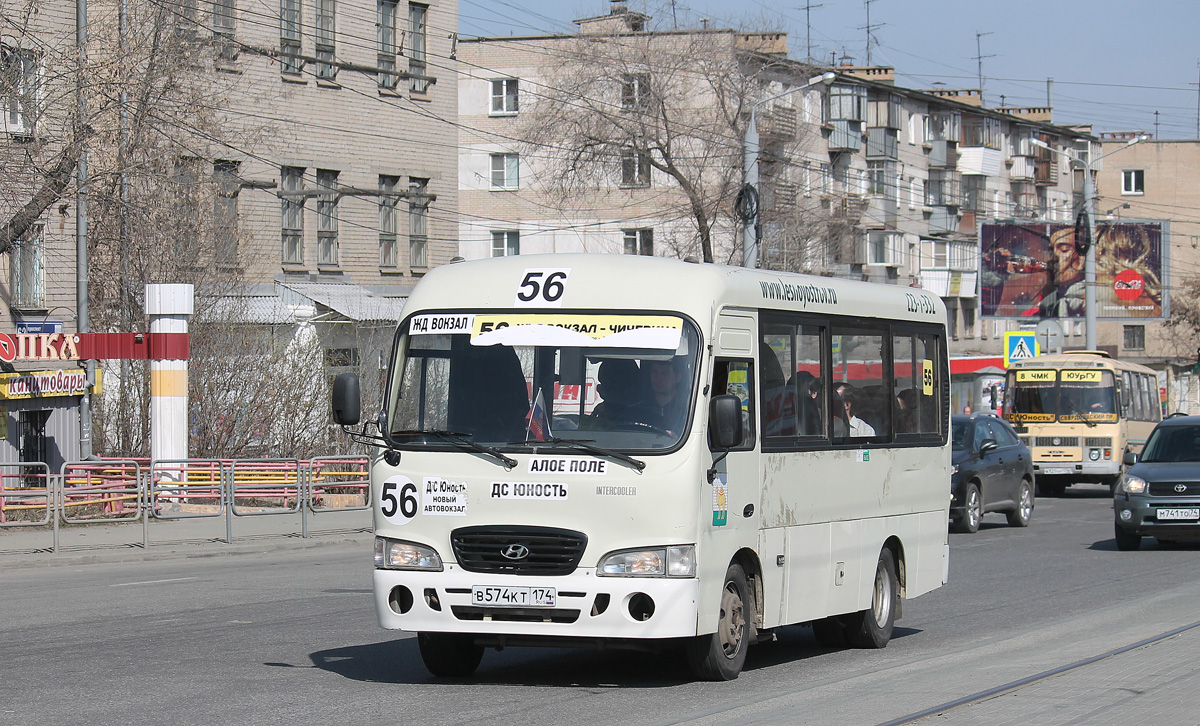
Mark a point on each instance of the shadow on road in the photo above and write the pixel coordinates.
(399, 661)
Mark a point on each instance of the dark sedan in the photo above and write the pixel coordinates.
(1159, 494)
(992, 472)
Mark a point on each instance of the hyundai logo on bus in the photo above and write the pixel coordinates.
(515, 552)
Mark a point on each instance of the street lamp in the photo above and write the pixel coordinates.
(1089, 209)
(748, 199)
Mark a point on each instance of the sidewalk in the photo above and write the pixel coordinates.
(176, 538)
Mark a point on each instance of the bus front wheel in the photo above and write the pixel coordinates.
(720, 656)
(449, 655)
(872, 628)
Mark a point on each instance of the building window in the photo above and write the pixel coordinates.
(1133, 181)
(292, 200)
(327, 217)
(847, 103)
(389, 253)
(18, 87)
(1135, 337)
(975, 193)
(885, 179)
(225, 211)
(325, 29)
(881, 248)
(639, 242)
(635, 167)
(506, 243)
(505, 171)
(418, 222)
(341, 357)
(290, 61)
(504, 96)
(26, 279)
(417, 16)
(224, 13)
(385, 23)
(635, 91)
(936, 255)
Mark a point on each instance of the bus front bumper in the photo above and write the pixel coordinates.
(586, 606)
(1101, 468)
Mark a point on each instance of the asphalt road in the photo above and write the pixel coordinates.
(289, 637)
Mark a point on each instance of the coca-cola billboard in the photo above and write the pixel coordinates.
(1036, 270)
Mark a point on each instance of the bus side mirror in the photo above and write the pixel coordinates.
(725, 422)
(347, 401)
(1130, 458)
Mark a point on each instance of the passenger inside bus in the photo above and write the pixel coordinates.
(666, 406)
(808, 406)
(620, 384)
(907, 414)
(488, 396)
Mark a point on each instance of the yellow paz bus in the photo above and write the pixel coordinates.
(1079, 413)
(635, 452)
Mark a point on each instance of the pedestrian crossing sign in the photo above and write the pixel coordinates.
(1019, 345)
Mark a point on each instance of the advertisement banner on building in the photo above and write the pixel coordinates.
(1036, 270)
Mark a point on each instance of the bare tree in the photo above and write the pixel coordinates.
(616, 105)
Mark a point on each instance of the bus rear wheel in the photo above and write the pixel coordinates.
(872, 628)
(720, 656)
(449, 655)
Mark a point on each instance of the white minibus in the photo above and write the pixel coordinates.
(636, 452)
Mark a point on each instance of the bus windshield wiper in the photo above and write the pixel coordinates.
(1075, 409)
(583, 446)
(462, 441)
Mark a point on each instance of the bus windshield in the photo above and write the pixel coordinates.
(1065, 395)
(616, 381)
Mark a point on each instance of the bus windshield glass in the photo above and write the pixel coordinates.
(616, 381)
(1064, 395)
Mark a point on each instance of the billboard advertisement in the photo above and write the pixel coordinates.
(1036, 270)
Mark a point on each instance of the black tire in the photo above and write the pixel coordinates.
(830, 632)
(1126, 542)
(972, 514)
(872, 628)
(1020, 516)
(449, 655)
(720, 656)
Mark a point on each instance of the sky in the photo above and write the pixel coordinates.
(1114, 64)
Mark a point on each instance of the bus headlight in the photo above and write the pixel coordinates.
(675, 561)
(1094, 454)
(1133, 485)
(392, 554)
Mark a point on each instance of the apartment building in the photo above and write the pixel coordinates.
(40, 393)
(857, 178)
(296, 163)
(1156, 180)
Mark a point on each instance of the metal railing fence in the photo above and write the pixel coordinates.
(133, 490)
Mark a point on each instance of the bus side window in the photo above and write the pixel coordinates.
(736, 378)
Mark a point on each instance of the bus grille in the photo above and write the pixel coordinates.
(1050, 441)
(1104, 442)
(550, 551)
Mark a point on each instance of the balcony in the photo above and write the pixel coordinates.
(778, 124)
(845, 136)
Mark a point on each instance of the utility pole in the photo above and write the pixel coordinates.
(979, 56)
(870, 28)
(808, 25)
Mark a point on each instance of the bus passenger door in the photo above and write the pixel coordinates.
(735, 490)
